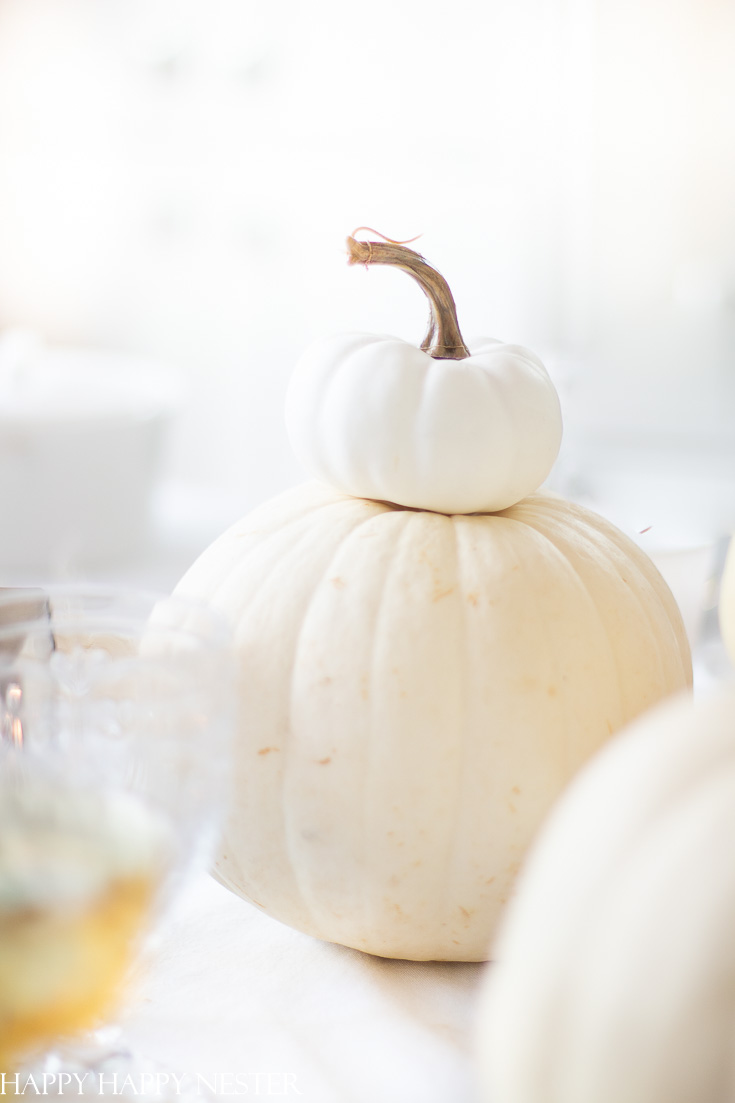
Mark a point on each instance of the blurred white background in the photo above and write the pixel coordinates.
(177, 178)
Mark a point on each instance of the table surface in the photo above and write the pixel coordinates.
(241, 1004)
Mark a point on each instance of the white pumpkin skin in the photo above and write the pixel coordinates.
(379, 418)
(416, 690)
(615, 965)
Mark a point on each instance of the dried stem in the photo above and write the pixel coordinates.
(443, 339)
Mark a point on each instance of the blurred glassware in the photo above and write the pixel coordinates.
(115, 716)
(81, 438)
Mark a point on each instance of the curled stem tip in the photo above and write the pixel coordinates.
(391, 240)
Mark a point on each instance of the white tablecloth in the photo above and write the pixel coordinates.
(249, 1007)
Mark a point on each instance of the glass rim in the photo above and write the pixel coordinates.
(104, 605)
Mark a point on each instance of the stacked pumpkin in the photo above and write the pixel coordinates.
(429, 646)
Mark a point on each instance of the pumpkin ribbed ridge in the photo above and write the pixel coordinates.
(658, 614)
(451, 889)
(332, 743)
(667, 629)
(273, 568)
(416, 689)
(417, 747)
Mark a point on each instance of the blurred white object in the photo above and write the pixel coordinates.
(81, 433)
(613, 974)
(688, 571)
(676, 502)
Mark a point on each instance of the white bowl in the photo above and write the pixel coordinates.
(81, 437)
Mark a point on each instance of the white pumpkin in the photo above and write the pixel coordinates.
(727, 602)
(614, 971)
(416, 689)
(433, 428)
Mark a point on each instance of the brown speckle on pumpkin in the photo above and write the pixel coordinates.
(324, 761)
(338, 583)
(267, 750)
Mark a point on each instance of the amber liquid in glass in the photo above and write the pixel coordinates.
(62, 968)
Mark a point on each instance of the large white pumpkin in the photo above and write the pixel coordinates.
(614, 978)
(416, 689)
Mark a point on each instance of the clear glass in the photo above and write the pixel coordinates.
(116, 709)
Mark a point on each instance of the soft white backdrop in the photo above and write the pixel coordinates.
(177, 178)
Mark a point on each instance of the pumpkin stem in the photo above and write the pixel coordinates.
(443, 340)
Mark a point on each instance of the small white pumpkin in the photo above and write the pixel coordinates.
(415, 691)
(433, 428)
(614, 970)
